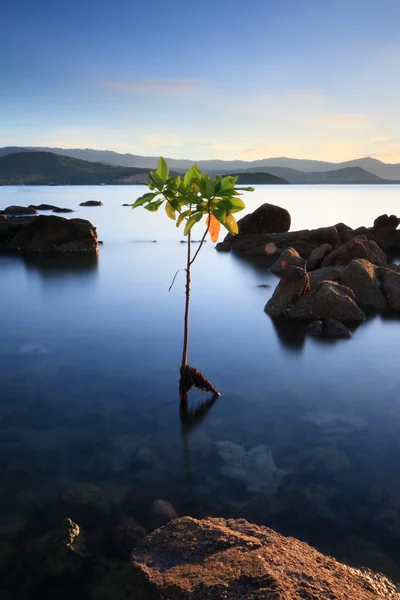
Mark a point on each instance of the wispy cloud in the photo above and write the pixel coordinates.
(380, 139)
(163, 87)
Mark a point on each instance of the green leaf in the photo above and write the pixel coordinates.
(182, 216)
(191, 174)
(190, 222)
(219, 214)
(154, 206)
(228, 183)
(143, 199)
(156, 179)
(231, 204)
(210, 187)
(170, 211)
(231, 225)
(162, 169)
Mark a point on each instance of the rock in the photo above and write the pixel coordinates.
(317, 256)
(392, 242)
(267, 218)
(91, 203)
(127, 205)
(59, 551)
(292, 285)
(327, 300)
(19, 210)
(63, 210)
(3, 218)
(55, 234)
(88, 496)
(123, 539)
(316, 328)
(272, 245)
(216, 559)
(223, 247)
(358, 247)
(162, 512)
(43, 206)
(255, 468)
(346, 235)
(391, 287)
(384, 221)
(288, 258)
(342, 227)
(331, 328)
(325, 274)
(335, 329)
(361, 276)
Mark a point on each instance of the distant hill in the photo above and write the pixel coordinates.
(254, 178)
(372, 165)
(40, 168)
(348, 175)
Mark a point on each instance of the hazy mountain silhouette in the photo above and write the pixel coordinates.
(372, 165)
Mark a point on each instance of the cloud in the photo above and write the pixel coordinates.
(163, 87)
(380, 139)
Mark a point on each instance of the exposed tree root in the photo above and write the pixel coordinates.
(191, 377)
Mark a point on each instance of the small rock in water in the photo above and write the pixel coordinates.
(264, 285)
(162, 513)
(255, 468)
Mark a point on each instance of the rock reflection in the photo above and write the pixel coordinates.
(290, 334)
(59, 266)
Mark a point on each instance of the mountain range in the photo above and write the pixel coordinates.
(298, 171)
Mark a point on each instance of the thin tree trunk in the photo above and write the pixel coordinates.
(185, 349)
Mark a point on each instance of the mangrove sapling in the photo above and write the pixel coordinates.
(187, 200)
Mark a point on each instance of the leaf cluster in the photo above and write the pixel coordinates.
(196, 194)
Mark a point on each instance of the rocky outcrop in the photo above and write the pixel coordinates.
(361, 276)
(317, 256)
(325, 274)
(391, 287)
(232, 559)
(19, 210)
(289, 258)
(273, 244)
(291, 287)
(267, 218)
(358, 247)
(91, 203)
(328, 300)
(42, 206)
(48, 234)
(62, 210)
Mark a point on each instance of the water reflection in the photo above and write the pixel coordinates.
(291, 334)
(56, 266)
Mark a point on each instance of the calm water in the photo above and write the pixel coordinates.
(89, 415)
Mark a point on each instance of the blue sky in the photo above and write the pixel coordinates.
(212, 79)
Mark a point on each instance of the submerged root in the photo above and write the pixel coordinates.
(191, 377)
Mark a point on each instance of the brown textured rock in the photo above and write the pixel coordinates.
(216, 559)
(267, 218)
(289, 258)
(223, 247)
(91, 203)
(358, 247)
(391, 287)
(317, 256)
(273, 244)
(19, 210)
(386, 222)
(325, 274)
(361, 276)
(327, 300)
(292, 285)
(55, 234)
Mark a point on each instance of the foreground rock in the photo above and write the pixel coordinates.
(391, 287)
(19, 210)
(267, 218)
(289, 258)
(328, 300)
(291, 287)
(361, 276)
(358, 247)
(232, 559)
(48, 234)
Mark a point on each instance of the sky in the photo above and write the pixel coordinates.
(223, 79)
